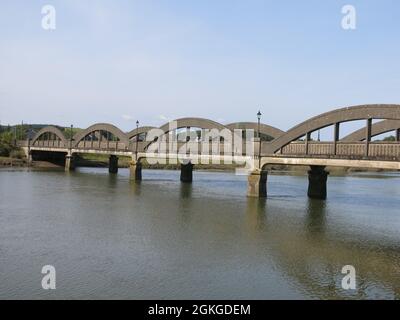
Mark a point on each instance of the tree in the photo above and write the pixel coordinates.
(390, 138)
(6, 143)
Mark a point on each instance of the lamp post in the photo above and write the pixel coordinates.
(70, 138)
(29, 145)
(137, 138)
(259, 138)
(15, 135)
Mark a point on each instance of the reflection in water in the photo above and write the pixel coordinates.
(186, 190)
(135, 187)
(185, 201)
(256, 214)
(314, 258)
(316, 218)
(112, 181)
(114, 238)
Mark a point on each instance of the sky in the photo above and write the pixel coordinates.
(158, 60)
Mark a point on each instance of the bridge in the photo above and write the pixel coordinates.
(196, 140)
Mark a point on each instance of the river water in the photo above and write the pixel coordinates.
(160, 239)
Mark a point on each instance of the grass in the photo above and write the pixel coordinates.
(9, 162)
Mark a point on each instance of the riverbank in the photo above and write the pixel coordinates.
(9, 162)
(12, 162)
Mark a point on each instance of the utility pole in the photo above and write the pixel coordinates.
(70, 138)
(259, 138)
(137, 138)
(15, 135)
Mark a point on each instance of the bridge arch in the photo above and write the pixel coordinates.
(106, 127)
(139, 131)
(373, 111)
(53, 130)
(265, 129)
(201, 123)
(194, 123)
(376, 130)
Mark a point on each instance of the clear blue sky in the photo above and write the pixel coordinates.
(118, 61)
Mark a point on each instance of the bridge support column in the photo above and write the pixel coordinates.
(317, 178)
(29, 159)
(135, 168)
(113, 164)
(368, 130)
(187, 172)
(257, 184)
(69, 162)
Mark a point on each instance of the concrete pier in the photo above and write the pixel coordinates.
(135, 168)
(29, 159)
(187, 172)
(69, 162)
(257, 184)
(317, 178)
(113, 164)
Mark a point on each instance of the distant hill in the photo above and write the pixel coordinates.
(24, 131)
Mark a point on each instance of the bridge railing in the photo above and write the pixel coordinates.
(382, 150)
(48, 144)
(101, 145)
(200, 147)
(205, 148)
(385, 149)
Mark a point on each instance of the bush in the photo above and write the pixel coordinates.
(6, 144)
(17, 154)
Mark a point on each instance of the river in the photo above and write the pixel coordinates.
(110, 238)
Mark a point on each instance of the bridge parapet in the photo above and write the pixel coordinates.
(48, 143)
(351, 150)
(143, 147)
(102, 145)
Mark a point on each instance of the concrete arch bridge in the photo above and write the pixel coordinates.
(257, 145)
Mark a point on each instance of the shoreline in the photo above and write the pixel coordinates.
(7, 162)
